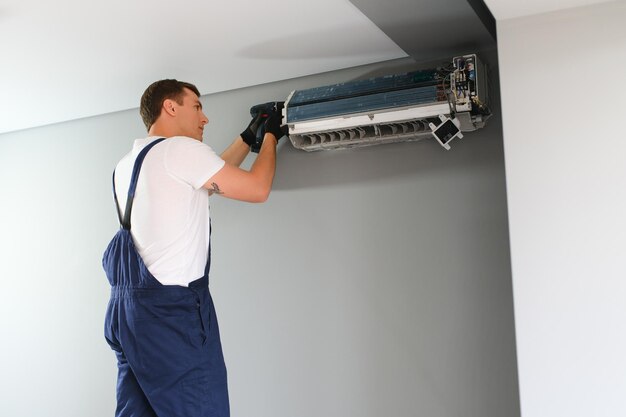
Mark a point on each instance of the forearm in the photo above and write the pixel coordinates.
(236, 152)
(254, 185)
(264, 165)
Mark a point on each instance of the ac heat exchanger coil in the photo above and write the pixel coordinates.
(393, 108)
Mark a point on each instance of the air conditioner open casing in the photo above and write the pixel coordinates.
(393, 108)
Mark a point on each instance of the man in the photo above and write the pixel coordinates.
(160, 320)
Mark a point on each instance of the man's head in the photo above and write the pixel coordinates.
(176, 105)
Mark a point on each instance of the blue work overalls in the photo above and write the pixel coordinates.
(165, 337)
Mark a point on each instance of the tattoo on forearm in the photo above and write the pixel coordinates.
(215, 189)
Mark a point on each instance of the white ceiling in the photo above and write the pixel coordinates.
(509, 9)
(67, 59)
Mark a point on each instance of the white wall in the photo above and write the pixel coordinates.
(563, 98)
(374, 282)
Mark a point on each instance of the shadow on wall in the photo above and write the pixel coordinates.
(297, 169)
(331, 43)
(432, 44)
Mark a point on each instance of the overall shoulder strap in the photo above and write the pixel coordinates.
(117, 204)
(207, 267)
(125, 220)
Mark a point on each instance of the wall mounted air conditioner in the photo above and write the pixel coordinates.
(440, 103)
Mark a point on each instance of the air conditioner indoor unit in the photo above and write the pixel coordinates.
(440, 102)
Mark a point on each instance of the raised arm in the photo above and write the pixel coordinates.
(236, 152)
(239, 149)
(253, 186)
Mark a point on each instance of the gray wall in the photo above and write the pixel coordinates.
(373, 282)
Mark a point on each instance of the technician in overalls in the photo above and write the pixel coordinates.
(160, 320)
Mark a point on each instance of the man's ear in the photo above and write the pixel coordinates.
(169, 106)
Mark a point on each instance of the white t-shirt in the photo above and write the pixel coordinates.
(170, 214)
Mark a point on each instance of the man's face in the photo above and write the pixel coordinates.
(191, 120)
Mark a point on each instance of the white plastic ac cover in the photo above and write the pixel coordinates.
(393, 108)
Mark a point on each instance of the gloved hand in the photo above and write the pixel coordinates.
(250, 134)
(271, 125)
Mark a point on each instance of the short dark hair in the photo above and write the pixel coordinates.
(159, 91)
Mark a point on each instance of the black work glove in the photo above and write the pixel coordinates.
(250, 134)
(270, 125)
